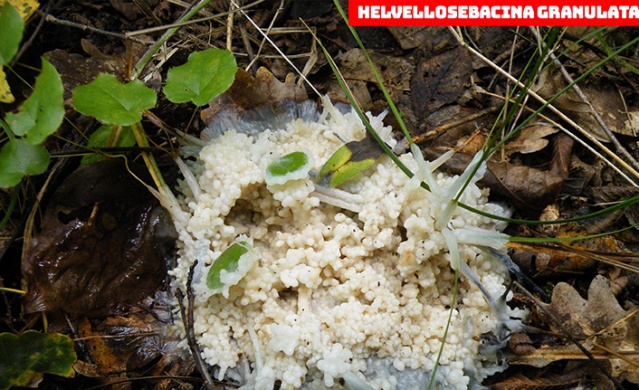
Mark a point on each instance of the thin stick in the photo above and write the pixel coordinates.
(443, 128)
(187, 318)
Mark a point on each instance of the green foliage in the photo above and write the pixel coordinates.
(42, 113)
(293, 166)
(18, 159)
(11, 29)
(204, 76)
(26, 357)
(112, 102)
(101, 138)
(39, 116)
(348, 161)
(227, 261)
(287, 164)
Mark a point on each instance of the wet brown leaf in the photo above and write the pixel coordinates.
(102, 244)
(561, 156)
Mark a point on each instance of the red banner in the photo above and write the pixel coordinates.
(492, 13)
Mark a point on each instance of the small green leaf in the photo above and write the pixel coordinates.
(349, 171)
(341, 156)
(18, 159)
(11, 29)
(348, 161)
(42, 113)
(227, 261)
(293, 166)
(100, 139)
(205, 75)
(27, 356)
(112, 102)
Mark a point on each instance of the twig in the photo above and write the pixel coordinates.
(28, 43)
(52, 19)
(187, 318)
(230, 18)
(443, 128)
(584, 98)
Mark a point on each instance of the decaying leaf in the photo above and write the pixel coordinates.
(26, 8)
(121, 348)
(27, 356)
(5, 92)
(609, 194)
(102, 244)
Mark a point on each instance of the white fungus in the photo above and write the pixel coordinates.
(350, 286)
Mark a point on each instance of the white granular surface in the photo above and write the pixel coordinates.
(333, 294)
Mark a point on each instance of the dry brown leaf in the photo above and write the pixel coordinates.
(603, 96)
(396, 72)
(531, 139)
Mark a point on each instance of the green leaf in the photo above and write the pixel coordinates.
(18, 159)
(11, 29)
(27, 356)
(100, 139)
(112, 102)
(293, 166)
(42, 113)
(349, 171)
(348, 161)
(227, 261)
(205, 75)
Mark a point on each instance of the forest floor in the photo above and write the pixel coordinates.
(451, 97)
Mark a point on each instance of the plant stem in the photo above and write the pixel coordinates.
(151, 165)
